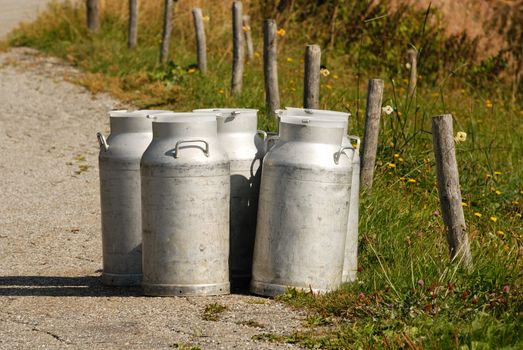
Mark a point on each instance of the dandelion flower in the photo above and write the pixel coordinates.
(391, 165)
(463, 204)
(477, 214)
(387, 109)
(246, 28)
(498, 192)
(500, 233)
(498, 173)
(289, 59)
(281, 32)
(206, 18)
(396, 155)
(411, 181)
(461, 136)
(493, 219)
(488, 103)
(401, 160)
(325, 72)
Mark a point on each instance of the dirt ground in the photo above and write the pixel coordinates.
(50, 244)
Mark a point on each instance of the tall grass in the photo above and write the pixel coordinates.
(407, 293)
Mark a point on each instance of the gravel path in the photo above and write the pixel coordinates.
(50, 246)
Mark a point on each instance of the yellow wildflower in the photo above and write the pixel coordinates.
(463, 204)
(396, 155)
(289, 59)
(515, 202)
(206, 18)
(257, 54)
(221, 91)
(281, 32)
(488, 176)
(493, 219)
(518, 215)
(328, 86)
(325, 72)
(246, 28)
(402, 178)
(521, 192)
(498, 192)
(477, 214)
(335, 76)
(411, 180)
(488, 103)
(498, 173)
(500, 233)
(401, 160)
(191, 70)
(391, 144)
(391, 165)
(461, 136)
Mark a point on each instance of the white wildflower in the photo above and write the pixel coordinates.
(387, 109)
(461, 136)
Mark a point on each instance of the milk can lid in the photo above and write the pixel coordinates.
(313, 121)
(183, 117)
(315, 113)
(136, 113)
(235, 111)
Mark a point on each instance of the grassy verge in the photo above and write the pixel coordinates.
(407, 294)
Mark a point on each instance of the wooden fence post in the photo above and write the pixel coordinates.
(449, 190)
(166, 35)
(201, 49)
(372, 130)
(270, 66)
(133, 24)
(248, 37)
(311, 81)
(238, 49)
(413, 78)
(93, 15)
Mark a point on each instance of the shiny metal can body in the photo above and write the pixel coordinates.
(303, 209)
(239, 137)
(119, 167)
(350, 265)
(185, 208)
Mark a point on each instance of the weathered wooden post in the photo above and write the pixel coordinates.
(166, 35)
(248, 37)
(238, 57)
(201, 49)
(270, 66)
(311, 81)
(93, 15)
(372, 130)
(413, 78)
(133, 24)
(449, 190)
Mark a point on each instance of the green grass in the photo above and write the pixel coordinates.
(407, 295)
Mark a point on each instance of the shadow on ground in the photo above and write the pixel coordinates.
(54, 286)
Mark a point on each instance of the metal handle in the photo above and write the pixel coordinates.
(337, 155)
(205, 151)
(264, 133)
(102, 141)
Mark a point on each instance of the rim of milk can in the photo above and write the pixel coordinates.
(184, 117)
(314, 122)
(318, 113)
(136, 113)
(230, 111)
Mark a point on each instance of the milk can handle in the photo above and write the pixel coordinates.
(205, 150)
(264, 133)
(102, 141)
(337, 155)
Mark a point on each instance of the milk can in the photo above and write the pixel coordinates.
(350, 265)
(303, 209)
(185, 207)
(119, 163)
(238, 135)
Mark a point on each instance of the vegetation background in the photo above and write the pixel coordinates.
(407, 295)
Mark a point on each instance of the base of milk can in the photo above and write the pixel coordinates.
(272, 290)
(186, 290)
(349, 277)
(121, 280)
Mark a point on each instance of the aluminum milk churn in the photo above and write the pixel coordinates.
(185, 207)
(350, 265)
(119, 163)
(238, 135)
(303, 209)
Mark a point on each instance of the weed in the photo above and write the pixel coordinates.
(212, 312)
